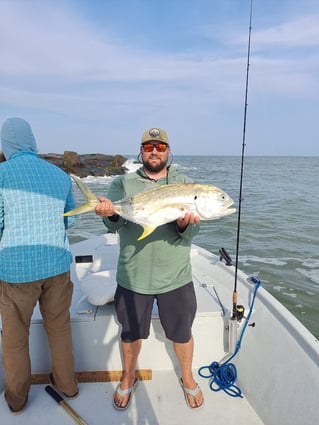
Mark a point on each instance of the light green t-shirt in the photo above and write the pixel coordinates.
(160, 262)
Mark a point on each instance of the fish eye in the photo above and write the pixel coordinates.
(195, 197)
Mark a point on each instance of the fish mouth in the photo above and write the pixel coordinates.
(229, 210)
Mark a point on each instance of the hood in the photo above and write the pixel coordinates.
(16, 135)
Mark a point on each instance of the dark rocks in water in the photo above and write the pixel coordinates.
(97, 164)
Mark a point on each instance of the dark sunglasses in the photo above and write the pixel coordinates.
(160, 147)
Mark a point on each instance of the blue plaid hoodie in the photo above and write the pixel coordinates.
(33, 194)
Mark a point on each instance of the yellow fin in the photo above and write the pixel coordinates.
(89, 206)
(147, 231)
(90, 196)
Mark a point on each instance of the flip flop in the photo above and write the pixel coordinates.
(193, 393)
(123, 393)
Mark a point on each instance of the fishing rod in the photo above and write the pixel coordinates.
(237, 313)
(223, 376)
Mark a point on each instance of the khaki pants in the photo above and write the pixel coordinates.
(17, 302)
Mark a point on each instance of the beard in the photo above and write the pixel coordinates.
(155, 168)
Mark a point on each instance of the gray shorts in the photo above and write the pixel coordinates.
(176, 310)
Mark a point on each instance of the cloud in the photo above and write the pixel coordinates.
(65, 68)
(298, 33)
(60, 62)
(50, 42)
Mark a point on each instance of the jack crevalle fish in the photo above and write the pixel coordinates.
(163, 204)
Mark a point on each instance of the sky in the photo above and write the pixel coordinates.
(91, 75)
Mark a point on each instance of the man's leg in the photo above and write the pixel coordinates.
(134, 314)
(177, 311)
(184, 354)
(130, 351)
(55, 303)
(17, 302)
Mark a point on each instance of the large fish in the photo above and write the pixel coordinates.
(163, 204)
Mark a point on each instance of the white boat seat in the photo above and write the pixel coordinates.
(99, 288)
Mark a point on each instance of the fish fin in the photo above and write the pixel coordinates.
(81, 209)
(148, 229)
(90, 196)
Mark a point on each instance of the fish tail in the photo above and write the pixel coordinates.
(80, 210)
(147, 231)
(92, 199)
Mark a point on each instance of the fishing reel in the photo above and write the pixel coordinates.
(239, 312)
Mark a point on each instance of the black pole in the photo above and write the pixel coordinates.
(242, 165)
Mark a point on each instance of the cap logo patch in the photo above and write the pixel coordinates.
(154, 132)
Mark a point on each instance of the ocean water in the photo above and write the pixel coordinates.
(279, 226)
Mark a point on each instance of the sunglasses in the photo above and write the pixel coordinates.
(160, 147)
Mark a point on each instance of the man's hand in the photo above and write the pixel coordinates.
(188, 218)
(105, 208)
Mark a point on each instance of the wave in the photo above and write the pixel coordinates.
(131, 165)
(105, 180)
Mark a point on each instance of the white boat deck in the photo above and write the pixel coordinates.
(159, 401)
(287, 397)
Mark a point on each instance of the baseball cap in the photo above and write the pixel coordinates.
(155, 134)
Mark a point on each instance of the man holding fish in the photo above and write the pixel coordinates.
(153, 267)
(156, 212)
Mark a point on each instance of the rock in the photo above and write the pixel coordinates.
(97, 164)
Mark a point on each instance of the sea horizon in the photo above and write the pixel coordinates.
(279, 234)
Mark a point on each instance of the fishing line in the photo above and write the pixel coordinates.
(235, 295)
(223, 376)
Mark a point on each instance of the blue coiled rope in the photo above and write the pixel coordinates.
(223, 376)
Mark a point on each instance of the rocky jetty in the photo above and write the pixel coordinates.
(85, 165)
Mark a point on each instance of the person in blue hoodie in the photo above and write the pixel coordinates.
(34, 262)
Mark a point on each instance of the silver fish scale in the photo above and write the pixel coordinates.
(164, 204)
